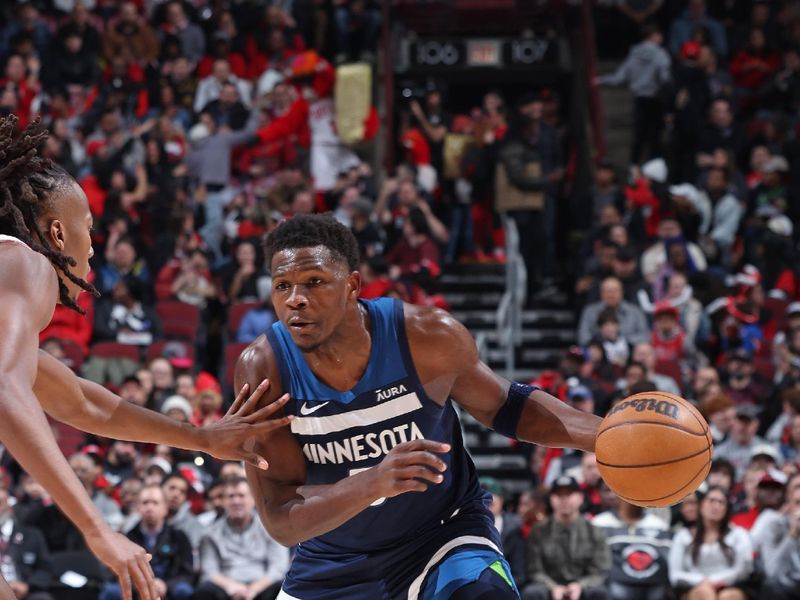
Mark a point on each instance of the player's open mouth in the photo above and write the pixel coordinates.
(299, 325)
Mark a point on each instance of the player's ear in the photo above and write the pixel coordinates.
(54, 232)
(354, 283)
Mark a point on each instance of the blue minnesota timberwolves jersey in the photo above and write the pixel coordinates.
(343, 433)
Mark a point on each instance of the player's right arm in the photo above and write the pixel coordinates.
(28, 285)
(294, 512)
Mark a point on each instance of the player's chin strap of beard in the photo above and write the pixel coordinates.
(507, 418)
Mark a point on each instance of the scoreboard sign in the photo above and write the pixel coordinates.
(484, 53)
(487, 53)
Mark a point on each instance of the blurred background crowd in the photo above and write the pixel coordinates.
(195, 127)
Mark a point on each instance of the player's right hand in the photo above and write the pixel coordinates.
(409, 467)
(129, 562)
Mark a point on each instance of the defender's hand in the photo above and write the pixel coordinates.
(409, 467)
(234, 436)
(129, 562)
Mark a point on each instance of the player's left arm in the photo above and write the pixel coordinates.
(92, 408)
(444, 350)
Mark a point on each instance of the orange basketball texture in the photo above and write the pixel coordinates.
(654, 449)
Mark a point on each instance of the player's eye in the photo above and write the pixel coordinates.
(282, 286)
(315, 281)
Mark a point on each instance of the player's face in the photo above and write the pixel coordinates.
(69, 227)
(311, 290)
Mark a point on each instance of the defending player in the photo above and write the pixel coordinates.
(45, 247)
(373, 480)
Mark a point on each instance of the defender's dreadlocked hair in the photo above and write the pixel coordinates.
(27, 181)
(305, 231)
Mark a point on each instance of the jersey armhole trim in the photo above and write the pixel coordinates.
(405, 350)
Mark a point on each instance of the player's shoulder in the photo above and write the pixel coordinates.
(258, 361)
(27, 273)
(432, 323)
(434, 330)
(258, 354)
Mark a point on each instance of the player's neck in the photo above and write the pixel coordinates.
(341, 361)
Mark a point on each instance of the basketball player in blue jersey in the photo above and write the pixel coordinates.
(45, 247)
(373, 481)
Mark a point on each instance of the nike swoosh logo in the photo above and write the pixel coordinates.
(305, 410)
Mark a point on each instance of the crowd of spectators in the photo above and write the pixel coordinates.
(686, 285)
(194, 128)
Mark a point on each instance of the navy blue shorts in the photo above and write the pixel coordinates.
(453, 553)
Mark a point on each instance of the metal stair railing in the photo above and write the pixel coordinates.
(509, 310)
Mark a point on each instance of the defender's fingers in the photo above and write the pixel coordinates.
(125, 586)
(272, 424)
(268, 410)
(251, 403)
(239, 399)
(147, 570)
(141, 583)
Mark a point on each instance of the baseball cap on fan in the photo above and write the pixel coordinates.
(665, 307)
(579, 392)
(178, 355)
(793, 309)
(160, 463)
(177, 403)
(655, 170)
(773, 477)
(767, 450)
(748, 411)
(775, 164)
(565, 482)
(492, 485)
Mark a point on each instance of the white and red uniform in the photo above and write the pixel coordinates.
(313, 120)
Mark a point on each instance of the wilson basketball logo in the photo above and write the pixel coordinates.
(653, 449)
(661, 407)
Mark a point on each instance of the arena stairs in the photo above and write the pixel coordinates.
(474, 292)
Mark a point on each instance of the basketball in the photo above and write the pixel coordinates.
(654, 449)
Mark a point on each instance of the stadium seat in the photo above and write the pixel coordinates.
(115, 350)
(178, 319)
(73, 354)
(81, 562)
(236, 313)
(69, 439)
